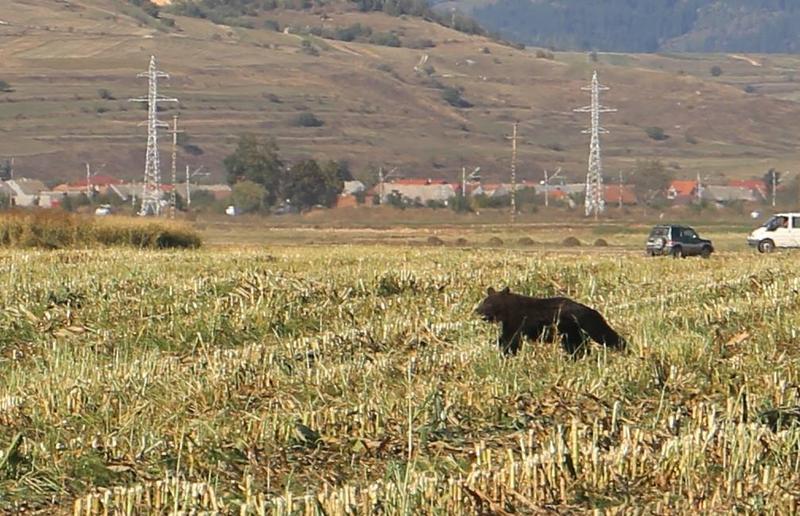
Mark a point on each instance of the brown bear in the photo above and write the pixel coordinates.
(537, 318)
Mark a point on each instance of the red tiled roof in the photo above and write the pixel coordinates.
(98, 180)
(613, 194)
(419, 181)
(751, 184)
(683, 188)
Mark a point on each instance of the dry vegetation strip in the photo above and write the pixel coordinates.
(357, 378)
(53, 229)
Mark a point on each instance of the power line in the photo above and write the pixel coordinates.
(151, 190)
(595, 198)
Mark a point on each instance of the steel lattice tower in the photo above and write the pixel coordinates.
(151, 190)
(595, 198)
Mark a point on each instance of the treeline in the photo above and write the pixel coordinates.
(648, 25)
(236, 12)
(262, 181)
(422, 9)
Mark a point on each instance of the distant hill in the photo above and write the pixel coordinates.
(388, 89)
(763, 26)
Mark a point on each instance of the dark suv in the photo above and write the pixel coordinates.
(677, 241)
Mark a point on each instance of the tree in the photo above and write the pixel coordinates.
(771, 176)
(256, 159)
(650, 180)
(5, 170)
(307, 185)
(339, 169)
(248, 196)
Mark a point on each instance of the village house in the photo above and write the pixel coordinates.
(25, 192)
(721, 194)
(682, 191)
(422, 191)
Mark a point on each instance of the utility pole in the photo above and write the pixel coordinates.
(472, 177)
(699, 189)
(547, 186)
(514, 174)
(188, 190)
(151, 191)
(381, 179)
(774, 185)
(173, 194)
(188, 177)
(89, 181)
(595, 202)
(380, 182)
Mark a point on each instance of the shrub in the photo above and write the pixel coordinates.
(4, 86)
(461, 241)
(656, 133)
(307, 119)
(600, 242)
(434, 240)
(453, 97)
(716, 71)
(526, 241)
(420, 43)
(386, 39)
(105, 94)
(750, 89)
(272, 25)
(495, 241)
(571, 242)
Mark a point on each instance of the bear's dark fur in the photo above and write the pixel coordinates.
(536, 318)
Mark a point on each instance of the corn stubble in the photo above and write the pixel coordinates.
(357, 380)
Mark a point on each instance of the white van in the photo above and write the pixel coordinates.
(781, 230)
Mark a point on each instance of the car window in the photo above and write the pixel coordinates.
(659, 232)
(795, 222)
(773, 223)
(689, 234)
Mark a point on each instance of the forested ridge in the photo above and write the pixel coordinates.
(647, 25)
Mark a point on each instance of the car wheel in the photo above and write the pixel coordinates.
(706, 252)
(677, 252)
(766, 246)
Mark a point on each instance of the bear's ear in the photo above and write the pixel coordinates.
(506, 290)
(490, 291)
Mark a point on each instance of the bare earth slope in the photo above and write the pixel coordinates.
(377, 109)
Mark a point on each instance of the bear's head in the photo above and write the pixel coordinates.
(493, 307)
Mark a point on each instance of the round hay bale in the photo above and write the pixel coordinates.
(571, 242)
(600, 242)
(434, 240)
(495, 241)
(461, 241)
(526, 241)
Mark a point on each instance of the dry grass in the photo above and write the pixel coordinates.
(53, 229)
(135, 381)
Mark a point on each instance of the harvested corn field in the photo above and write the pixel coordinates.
(334, 379)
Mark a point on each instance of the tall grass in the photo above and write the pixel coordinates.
(58, 230)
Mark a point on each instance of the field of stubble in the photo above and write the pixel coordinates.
(334, 379)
